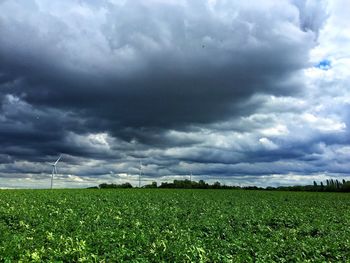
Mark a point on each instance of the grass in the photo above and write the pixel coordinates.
(166, 225)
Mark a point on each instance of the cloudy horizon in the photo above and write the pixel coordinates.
(241, 93)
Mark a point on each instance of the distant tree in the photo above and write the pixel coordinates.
(202, 184)
(109, 186)
(322, 186)
(346, 186)
(125, 185)
(152, 185)
(216, 185)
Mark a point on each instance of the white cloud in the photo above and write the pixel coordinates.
(93, 142)
(268, 144)
(278, 130)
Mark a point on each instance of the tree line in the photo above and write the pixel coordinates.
(331, 185)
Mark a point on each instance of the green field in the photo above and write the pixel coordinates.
(156, 225)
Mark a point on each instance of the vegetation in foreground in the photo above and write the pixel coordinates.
(169, 225)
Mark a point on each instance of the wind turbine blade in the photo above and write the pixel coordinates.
(55, 170)
(58, 159)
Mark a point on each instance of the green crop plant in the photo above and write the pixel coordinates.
(168, 225)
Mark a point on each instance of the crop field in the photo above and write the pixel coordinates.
(162, 225)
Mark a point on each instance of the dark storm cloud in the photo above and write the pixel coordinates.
(155, 80)
(182, 69)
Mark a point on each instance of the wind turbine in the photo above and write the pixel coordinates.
(54, 170)
(140, 174)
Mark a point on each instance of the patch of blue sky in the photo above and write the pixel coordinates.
(324, 64)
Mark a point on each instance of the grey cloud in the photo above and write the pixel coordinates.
(184, 69)
(161, 82)
(312, 14)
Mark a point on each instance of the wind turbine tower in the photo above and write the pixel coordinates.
(54, 169)
(140, 174)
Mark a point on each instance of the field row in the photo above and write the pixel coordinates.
(173, 225)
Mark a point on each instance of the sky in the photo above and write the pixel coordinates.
(241, 92)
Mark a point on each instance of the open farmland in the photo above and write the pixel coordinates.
(173, 225)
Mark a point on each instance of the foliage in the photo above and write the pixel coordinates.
(169, 225)
(331, 186)
(187, 184)
(108, 186)
(152, 185)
